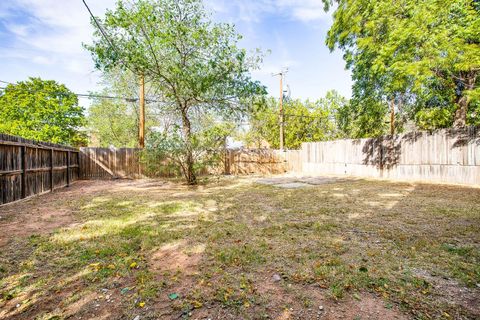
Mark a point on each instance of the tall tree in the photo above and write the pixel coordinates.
(194, 62)
(116, 121)
(42, 110)
(424, 55)
(305, 121)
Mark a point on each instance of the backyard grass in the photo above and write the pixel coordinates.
(236, 249)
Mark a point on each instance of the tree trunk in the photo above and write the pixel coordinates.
(189, 173)
(460, 118)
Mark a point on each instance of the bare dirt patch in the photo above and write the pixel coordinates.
(45, 213)
(163, 250)
(177, 257)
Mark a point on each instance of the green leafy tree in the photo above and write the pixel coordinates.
(42, 110)
(113, 122)
(303, 122)
(424, 55)
(165, 151)
(193, 62)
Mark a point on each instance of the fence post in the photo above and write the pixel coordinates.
(52, 186)
(68, 168)
(24, 171)
(226, 161)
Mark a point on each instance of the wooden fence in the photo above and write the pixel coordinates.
(448, 156)
(30, 167)
(262, 161)
(110, 163)
(254, 161)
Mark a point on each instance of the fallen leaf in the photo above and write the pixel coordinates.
(173, 296)
(197, 304)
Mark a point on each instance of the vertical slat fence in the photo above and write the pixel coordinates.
(110, 163)
(447, 155)
(29, 167)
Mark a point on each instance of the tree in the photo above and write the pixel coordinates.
(305, 121)
(164, 153)
(194, 63)
(424, 55)
(42, 110)
(113, 122)
(116, 121)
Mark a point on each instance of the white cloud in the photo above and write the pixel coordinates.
(43, 60)
(43, 37)
(18, 29)
(41, 33)
(253, 11)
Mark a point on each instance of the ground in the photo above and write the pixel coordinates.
(242, 248)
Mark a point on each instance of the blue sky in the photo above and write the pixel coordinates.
(43, 38)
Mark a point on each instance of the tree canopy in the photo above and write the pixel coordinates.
(42, 110)
(194, 63)
(304, 121)
(423, 55)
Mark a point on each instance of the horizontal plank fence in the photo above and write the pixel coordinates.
(110, 163)
(29, 167)
(447, 156)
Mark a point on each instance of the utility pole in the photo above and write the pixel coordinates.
(392, 116)
(281, 115)
(141, 126)
(281, 112)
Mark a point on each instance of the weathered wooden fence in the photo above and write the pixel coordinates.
(449, 156)
(253, 161)
(262, 161)
(30, 167)
(452, 156)
(110, 163)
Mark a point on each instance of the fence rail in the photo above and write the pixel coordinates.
(29, 167)
(110, 163)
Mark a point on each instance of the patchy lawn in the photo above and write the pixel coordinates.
(237, 249)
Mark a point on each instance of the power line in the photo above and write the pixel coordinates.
(105, 36)
(88, 95)
(130, 99)
(110, 43)
(289, 114)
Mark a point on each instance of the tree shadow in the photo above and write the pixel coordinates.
(385, 152)
(382, 152)
(464, 136)
(97, 266)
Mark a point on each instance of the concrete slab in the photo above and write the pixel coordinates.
(298, 182)
(293, 185)
(276, 180)
(320, 180)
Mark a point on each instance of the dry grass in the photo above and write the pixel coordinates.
(161, 250)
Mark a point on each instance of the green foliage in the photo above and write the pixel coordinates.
(424, 54)
(165, 151)
(307, 121)
(432, 118)
(42, 110)
(193, 63)
(115, 121)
